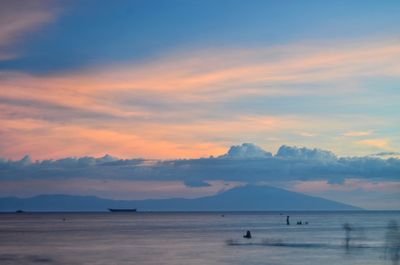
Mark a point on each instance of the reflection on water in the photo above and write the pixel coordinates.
(392, 248)
(23, 259)
(368, 238)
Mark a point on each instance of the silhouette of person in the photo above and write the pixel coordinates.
(392, 248)
(287, 220)
(347, 230)
(247, 235)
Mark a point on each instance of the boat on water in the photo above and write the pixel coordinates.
(122, 210)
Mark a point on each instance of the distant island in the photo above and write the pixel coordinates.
(246, 198)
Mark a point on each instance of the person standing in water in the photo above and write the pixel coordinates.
(347, 230)
(287, 220)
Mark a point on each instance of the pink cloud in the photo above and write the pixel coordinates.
(85, 112)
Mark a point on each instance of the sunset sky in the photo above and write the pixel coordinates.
(188, 79)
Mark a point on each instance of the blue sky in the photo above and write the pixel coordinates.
(188, 79)
(93, 32)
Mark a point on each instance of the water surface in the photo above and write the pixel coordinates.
(195, 238)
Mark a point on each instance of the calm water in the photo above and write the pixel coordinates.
(194, 238)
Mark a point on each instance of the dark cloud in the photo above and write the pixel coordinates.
(305, 153)
(196, 184)
(290, 163)
(386, 154)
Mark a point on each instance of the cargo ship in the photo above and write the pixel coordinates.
(122, 210)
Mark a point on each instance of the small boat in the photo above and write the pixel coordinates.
(122, 210)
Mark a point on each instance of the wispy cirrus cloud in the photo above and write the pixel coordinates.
(19, 18)
(357, 133)
(307, 134)
(176, 105)
(381, 143)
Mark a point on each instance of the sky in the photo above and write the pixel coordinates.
(172, 80)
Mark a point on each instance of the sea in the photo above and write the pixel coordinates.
(200, 238)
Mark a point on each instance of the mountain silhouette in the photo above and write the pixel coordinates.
(246, 198)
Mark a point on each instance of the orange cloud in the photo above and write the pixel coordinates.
(146, 139)
(378, 143)
(169, 107)
(357, 133)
